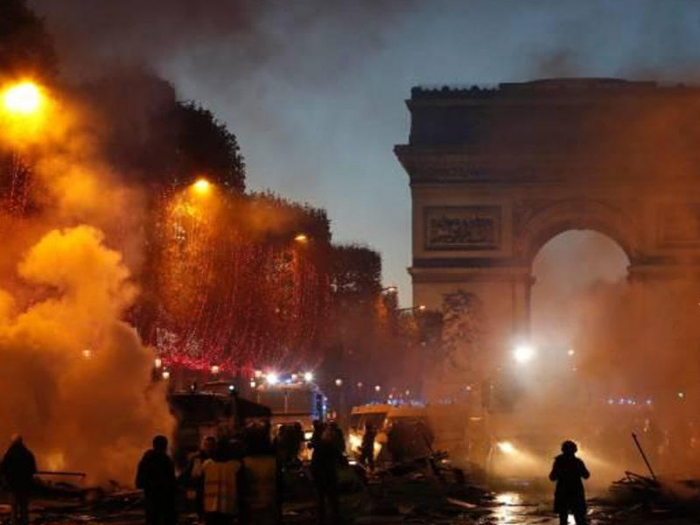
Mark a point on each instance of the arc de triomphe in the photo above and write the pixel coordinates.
(497, 172)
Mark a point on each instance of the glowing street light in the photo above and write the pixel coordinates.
(272, 378)
(338, 382)
(215, 369)
(165, 375)
(301, 238)
(157, 362)
(308, 376)
(506, 447)
(202, 186)
(22, 99)
(420, 308)
(377, 388)
(523, 353)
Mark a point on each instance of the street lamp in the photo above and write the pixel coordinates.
(202, 186)
(301, 238)
(23, 108)
(523, 353)
(339, 382)
(22, 99)
(420, 308)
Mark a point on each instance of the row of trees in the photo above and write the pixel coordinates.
(230, 278)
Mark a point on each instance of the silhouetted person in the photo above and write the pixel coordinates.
(193, 476)
(325, 463)
(156, 476)
(396, 441)
(569, 496)
(316, 435)
(223, 484)
(367, 447)
(18, 468)
(338, 436)
(263, 478)
(288, 443)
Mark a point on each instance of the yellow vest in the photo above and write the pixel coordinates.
(221, 486)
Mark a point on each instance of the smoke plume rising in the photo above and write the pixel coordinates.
(76, 379)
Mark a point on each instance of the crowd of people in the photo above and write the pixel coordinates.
(240, 479)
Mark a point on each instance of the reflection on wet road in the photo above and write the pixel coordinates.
(514, 508)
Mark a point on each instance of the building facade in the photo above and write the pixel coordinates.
(497, 172)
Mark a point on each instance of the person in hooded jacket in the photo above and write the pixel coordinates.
(568, 472)
(18, 468)
(156, 477)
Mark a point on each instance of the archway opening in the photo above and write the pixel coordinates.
(563, 390)
(567, 271)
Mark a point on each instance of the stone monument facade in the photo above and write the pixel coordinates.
(497, 172)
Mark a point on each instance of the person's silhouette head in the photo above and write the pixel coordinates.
(160, 444)
(569, 448)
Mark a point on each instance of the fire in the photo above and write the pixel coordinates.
(23, 98)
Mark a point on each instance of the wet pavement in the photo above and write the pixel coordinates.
(402, 503)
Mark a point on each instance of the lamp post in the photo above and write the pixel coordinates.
(420, 308)
(22, 112)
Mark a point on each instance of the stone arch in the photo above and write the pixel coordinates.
(577, 214)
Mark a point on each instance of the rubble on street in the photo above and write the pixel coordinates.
(422, 491)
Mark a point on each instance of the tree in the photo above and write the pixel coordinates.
(26, 51)
(456, 359)
(462, 330)
(356, 272)
(156, 140)
(26, 48)
(353, 340)
(205, 146)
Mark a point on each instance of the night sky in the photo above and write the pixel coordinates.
(314, 91)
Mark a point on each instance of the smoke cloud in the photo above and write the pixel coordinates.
(76, 379)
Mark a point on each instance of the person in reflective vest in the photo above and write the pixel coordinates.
(222, 485)
(263, 479)
(193, 476)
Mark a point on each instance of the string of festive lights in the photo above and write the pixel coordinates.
(229, 295)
